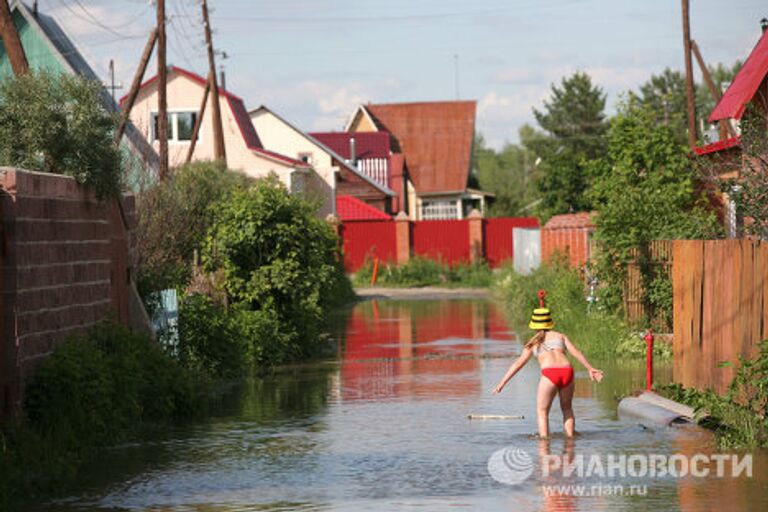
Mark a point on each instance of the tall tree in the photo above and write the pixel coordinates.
(574, 123)
(644, 188)
(664, 95)
(508, 174)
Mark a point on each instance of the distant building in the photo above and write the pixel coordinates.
(434, 141)
(48, 48)
(244, 149)
(340, 175)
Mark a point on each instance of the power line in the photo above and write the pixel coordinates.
(90, 18)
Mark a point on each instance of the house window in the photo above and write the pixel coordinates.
(306, 158)
(439, 210)
(180, 126)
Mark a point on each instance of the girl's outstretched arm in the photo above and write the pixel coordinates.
(594, 373)
(523, 358)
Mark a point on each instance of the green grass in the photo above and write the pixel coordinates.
(425, 272)
(598, 333)
(738, 418)
(92, 392)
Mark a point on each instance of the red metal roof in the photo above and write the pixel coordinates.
(239, 112)
(719, 145)
(351, 208)
(571, 220)
(367, 144)
(745, 84)
(436, 139)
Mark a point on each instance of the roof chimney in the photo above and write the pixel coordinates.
(764, 24)
(34, 8)
(352, 152)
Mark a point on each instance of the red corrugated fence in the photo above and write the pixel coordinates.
(441, 240)
(498, 237)
(367, 239)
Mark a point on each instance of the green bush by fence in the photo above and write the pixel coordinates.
(740, 417)
(426, 272)
(596, 332)
(93, 391)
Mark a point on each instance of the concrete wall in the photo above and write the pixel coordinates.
(66, 265)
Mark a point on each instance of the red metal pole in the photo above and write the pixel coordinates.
(649, 360)
(375, 271)
(541, 295)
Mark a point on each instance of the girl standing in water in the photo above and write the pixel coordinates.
(550, 348)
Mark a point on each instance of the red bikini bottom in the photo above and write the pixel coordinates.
(560, 376)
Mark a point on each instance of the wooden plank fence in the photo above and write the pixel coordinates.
(720, 308)
(660, 257)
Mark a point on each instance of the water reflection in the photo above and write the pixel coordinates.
(383, 427)
(387, 344)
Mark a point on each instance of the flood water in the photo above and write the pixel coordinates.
(384, 427)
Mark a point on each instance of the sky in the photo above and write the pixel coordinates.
(314, 61)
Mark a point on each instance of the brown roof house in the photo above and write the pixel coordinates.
(435, 140)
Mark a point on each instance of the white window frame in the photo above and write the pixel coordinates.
(439, 209)
(173, 122)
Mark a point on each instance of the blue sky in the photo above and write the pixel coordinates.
(314, 60)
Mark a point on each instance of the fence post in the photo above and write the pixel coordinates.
(402, 238)
(475, 219)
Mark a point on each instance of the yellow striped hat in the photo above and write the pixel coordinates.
(541, 319)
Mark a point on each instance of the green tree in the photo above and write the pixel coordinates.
(574, 123)
(281, 267)
(509, 174)
(56, 123)
(174, 218)
(644, 189)
(664, 94)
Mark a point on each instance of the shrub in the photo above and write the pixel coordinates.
(281, 267)
(740, 417)
(56, 123)
(91, 392)
(210, 339)
(174, 218)
(597, 332)
(420, 271)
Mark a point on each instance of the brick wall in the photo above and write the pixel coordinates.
(65, 267)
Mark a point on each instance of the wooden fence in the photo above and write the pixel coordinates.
(720, 308)
(659, 258)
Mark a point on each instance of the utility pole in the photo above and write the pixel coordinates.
(11, 41)
(725, 128)
(219, 150)
(162, 83)
(689, 91)
(198, 122)
(456, 73)
(112, 85)
(134, 91)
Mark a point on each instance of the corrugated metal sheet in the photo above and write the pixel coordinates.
(350, 208)
(441, 240)
(745, 84)
(499, 244)
(367, 144)
(367, 240)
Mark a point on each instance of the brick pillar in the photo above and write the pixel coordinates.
(403, 238)
(475, 219)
